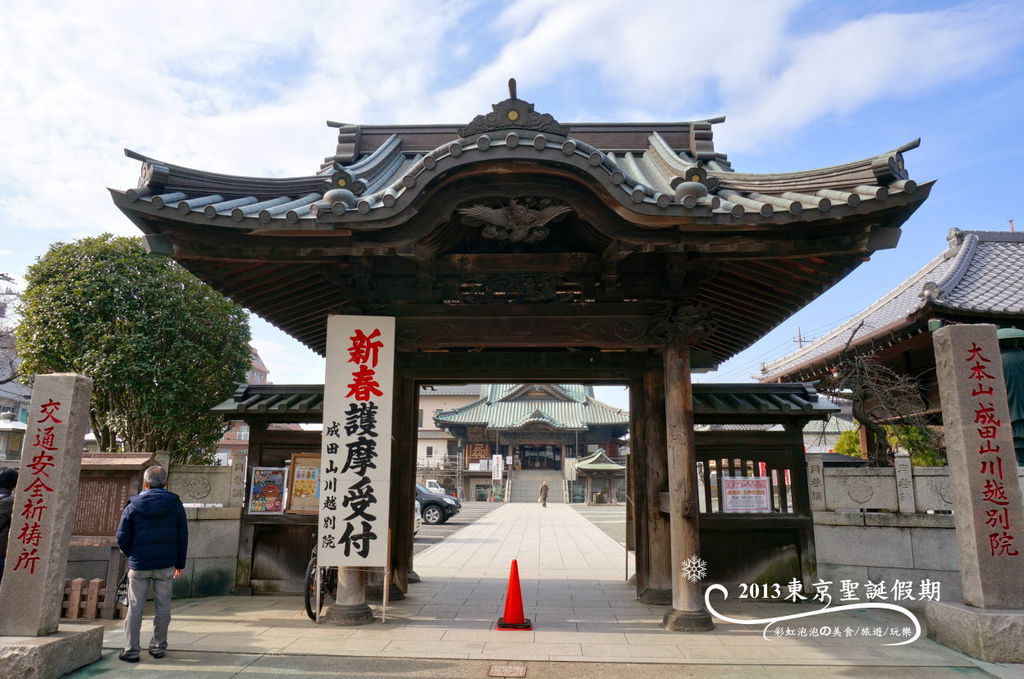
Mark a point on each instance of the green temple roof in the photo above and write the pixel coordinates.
(570, 407)
(598, 462)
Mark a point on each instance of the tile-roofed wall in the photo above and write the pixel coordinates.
(980, 272)
(993, 280)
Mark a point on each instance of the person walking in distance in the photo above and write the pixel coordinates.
(153, 534)
(8, 481)
(544, 494)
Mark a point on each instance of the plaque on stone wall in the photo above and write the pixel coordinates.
(100, 501)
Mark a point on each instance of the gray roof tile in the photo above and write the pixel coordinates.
(981, 272)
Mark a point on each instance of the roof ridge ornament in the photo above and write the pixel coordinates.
(512, 114)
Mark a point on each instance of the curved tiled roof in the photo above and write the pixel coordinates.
(440, 220)
(981, 272)
(386, 181)
(504, 406)
(598, 462)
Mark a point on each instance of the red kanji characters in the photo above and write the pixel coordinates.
(363, 385)
(986, 415)
(987, 448)
(363, 348)
(39, 464)
(1001, 544)
(30, 534)
(48, 409)
(993, 467)
(45, 439)
(980, 390)
(995, 493)
(28, 560)
(978, 373)
(974, 354)
(998, 518)
(37, 488)
(988, 432)
(33, 511)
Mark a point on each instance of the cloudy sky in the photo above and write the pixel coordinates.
(246, 87)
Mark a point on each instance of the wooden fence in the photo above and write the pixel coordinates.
(88, 599)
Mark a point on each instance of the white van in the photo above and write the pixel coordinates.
(434, 487)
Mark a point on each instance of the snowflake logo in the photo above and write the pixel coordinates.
(695, 569)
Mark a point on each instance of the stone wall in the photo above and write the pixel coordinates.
(213, 532)
(208, 485)
(212, 552)
(886, 523)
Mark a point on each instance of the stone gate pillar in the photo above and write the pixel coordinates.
(989, 624)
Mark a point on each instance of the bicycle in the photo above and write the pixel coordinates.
(328, 585)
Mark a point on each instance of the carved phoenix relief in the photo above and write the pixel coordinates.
(515, 222)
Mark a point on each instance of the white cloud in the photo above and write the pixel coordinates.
(245, 87)
(877, 58)
(246, 90)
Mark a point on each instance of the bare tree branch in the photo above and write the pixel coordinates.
(881, 398)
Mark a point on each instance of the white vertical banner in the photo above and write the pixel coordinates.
(497, 464)
(355, 461)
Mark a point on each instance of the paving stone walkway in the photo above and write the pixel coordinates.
(573, 580)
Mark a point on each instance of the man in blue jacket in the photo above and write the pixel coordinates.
(153, 534)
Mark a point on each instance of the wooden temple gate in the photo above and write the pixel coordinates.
(519, 248)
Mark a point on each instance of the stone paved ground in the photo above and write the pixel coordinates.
(611, 519)
(584, 615)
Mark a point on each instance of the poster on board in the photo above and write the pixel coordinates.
(746, 494)
(304, 484)
(266, 493)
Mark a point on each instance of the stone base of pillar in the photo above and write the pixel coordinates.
(413, 577)
(658, 597)
(70, 647)
(347, 615)
(687, 621)
(989, 634)
(376, 593)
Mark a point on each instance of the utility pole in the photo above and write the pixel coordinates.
(799, 339)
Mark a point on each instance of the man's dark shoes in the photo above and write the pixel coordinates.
(127, 658)
(156, 653)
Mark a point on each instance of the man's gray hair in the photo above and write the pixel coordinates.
(156, 477)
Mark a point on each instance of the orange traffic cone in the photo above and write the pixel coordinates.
(513, 618)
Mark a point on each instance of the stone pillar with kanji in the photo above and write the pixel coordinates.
(44, 505)
(989, 623)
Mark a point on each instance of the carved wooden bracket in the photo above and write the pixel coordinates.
(520, 221)
(686, 324)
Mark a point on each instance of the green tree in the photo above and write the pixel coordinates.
(924, 446)
(161, 346)
(849, 443)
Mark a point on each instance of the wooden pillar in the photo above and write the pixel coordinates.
(403, 477)
(687, 613)
(802, 501)
(659, 561)
(636, 511)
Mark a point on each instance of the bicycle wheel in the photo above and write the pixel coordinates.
(309, 594)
